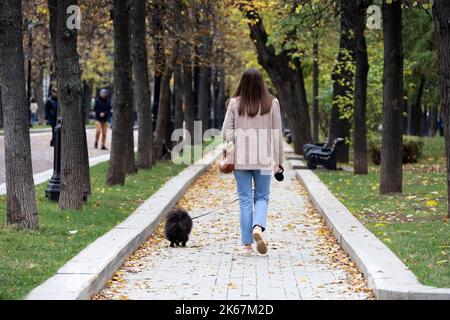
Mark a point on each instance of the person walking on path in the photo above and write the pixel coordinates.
(253, 125)
(102, 108)
(33, 110)
(51, 112)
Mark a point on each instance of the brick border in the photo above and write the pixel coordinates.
(87, 273)
(386, 274)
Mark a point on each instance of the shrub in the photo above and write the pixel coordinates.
(412, 149)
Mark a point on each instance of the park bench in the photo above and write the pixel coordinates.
(323, 155)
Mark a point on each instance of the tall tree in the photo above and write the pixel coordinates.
(343, 78)
(123, 108)
(288, 81)
(315, 109)
(157, 28)
(441, 12)
(1, 109)
(178, 92)
(164, 107)
(186, 53)
(74, 161)
(205, 63)
(21, 203)
(220, 108)
(392, 140)
(416, 110)
(141, 85)
(361, 73)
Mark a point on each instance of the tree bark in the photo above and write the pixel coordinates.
(122, 109)
(315, 111)
(73, 149)
(39, 93)
(343, 78)
(392, 140)
(158, 11)
(164, 108)
(1, 109)
(441, 12)
(220, 109)
(361, 73)
(178, 92)
(141, 85)
(433, 120)
(188, 94)
(21, 208)
(205, 65)
(417, 114)
(289, 83)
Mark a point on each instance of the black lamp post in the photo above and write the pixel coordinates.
(54, 185)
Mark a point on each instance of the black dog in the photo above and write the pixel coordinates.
(178, 227)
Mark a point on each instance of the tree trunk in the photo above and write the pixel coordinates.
(205, 62)
(361, 73)
(1, 109)
(73, 149)
(178, 92)
(122, 109)
(392, 141)
(315, 111)
(39, 94)
(141, 85)
(220, 109)
(289, 83)
(441, 12)
(343, 78)
(163, 119)
(21, 208)
(188, 94)
(157, 28)
(433, 120)
(417, 114)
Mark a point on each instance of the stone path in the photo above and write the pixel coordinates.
(304, 261)
(42, 153)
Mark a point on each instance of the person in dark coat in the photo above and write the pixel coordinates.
(102, 108)
(51, 112)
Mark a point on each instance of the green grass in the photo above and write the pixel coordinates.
(412, 224)
(28, 258)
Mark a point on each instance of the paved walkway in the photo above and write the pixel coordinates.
(42, 153)
(303, 262)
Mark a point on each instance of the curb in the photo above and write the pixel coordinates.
(386, 274)
(87, 273)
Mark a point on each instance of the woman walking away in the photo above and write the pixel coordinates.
(253, 124)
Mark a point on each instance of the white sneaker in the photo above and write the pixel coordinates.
(261, 245)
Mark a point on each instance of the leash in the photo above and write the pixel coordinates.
(215, 210)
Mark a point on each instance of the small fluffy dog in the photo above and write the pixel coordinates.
(178, 227)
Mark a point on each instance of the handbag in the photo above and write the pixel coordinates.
(226, 164)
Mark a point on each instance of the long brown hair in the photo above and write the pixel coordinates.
(253, 95)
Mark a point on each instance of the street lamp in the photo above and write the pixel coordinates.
(54, 185)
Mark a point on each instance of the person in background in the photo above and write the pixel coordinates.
(102, 108)
(33, 110)
(51, 112)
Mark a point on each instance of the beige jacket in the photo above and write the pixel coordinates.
(258, 140)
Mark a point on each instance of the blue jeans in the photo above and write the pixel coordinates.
(253, 205)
